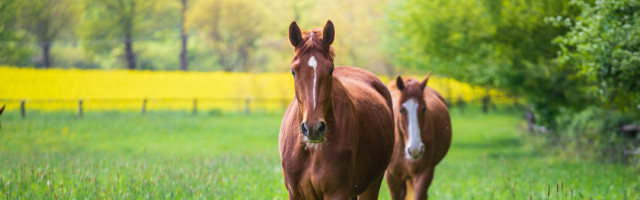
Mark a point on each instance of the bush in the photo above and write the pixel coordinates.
(593, 134)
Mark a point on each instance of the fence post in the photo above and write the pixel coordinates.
(247, 106)
(195, 106)
(22, 108)
(144, 106)
(80, 108)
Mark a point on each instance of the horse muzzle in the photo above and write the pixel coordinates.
(314, 133)
(415, 152)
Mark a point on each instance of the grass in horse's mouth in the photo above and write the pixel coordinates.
(315, 141)
(313, 144)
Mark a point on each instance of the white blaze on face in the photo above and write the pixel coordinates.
(415, 142)
(313, 64)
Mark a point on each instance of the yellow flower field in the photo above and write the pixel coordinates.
(61, 89)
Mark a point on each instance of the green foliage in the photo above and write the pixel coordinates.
(495, 43)
(502, 44)
(233, 27)
(12, 48)
(113, 20)
(107, 25)
(250, 35)
(46, 19)
(603, 49)
(601, 52)
(592, 133)
(571, 60)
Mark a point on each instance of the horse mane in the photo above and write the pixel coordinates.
(412, 87)
(313, 41)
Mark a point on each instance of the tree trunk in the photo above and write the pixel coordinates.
(183, 55)
(244, 59)
(224, 61)
(131, 58)
(486, 100)
(46, 57)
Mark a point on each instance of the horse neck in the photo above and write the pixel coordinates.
(340, 98)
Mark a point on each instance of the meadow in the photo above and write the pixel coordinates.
(229, 155)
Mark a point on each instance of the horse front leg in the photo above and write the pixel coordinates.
(422, 184)
(373, 191)
(397, 187)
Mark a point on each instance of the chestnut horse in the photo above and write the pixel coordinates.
(423, 137)
(336, 137)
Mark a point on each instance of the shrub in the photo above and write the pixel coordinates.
(593, 134)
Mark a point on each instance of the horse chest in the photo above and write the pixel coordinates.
(318, 172)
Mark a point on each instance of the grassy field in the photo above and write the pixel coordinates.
(175, 155)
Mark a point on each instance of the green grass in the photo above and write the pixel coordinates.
(174, 155)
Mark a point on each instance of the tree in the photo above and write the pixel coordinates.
(489, 43)
(46, 19)
(121, 20)
(603, 48)
(183, 35)
(233, 27)
(12, 46)
(502, 44)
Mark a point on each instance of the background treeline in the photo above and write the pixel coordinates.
(577, 63)
(229, 35)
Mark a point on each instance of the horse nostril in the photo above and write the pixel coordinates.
(304, 129)
(409, 151)
(322, 127)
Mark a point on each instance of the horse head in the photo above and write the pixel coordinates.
(411, 119)
(312, 70)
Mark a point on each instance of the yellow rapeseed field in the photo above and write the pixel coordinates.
(56, 89)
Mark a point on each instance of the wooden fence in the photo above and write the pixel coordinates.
(143, 105)
(195, 105)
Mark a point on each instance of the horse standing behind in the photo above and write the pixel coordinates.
(336, 137)
(423, 137)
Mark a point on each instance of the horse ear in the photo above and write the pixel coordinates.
(295, 35)
(328, 34)
(399, 83)
(423, 84)
(2, 109)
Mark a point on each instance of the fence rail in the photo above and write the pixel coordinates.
(194, 105)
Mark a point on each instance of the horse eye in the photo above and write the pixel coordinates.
(424, 109)
(293, 73)
(331, 71)
(403, 111)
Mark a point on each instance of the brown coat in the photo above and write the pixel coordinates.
(408, 176)
(358, 146)
(336, 137)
